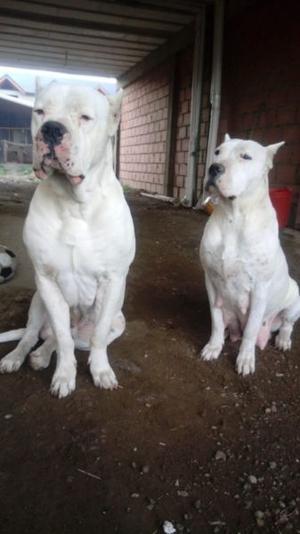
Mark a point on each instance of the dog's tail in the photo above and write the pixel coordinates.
(12, 335)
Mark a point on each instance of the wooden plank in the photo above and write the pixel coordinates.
(81, 32)
(159, 55)
(190, 181)
(28, 62)
(66, 56)
(27, 35)
(186, 6)
(55, 46)
(127, 9)
(72, 17)
(171, 131)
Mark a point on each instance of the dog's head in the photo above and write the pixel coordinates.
(239, 166)
(71, 126)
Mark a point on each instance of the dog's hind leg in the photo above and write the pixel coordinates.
(213, 348)
(40, 358)
(289, 316)
(36, 317)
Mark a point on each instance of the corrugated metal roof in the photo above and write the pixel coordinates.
(89, 36)
(18, 99)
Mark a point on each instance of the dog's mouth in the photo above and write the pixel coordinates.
(51, 163)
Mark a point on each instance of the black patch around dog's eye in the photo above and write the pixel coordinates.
(86, 117)
(245, 156)
(217, 152)
(39, 111)
(10, 253)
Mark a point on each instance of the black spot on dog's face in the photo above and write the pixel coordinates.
(6, 272)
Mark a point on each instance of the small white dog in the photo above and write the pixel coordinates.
(249, 288)
(79, 235)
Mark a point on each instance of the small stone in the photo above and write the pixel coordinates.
(8, 416)
(272, 465)
(145, 469)
(182, 493)
(220, 455)
(252, 479)
(133, 465)
(168, 527)
(135, 495)
(259, 514)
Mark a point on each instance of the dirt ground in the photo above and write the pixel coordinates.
(181, 440)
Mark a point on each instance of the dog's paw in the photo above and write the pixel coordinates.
(11, 363)
(245, 363)
(63, 383)
(283, 342)
(38, 359)
(104, 378)
(210, 352)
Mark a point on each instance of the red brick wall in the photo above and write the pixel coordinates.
(182, 123)
(143, 131)
(261, 80)
(144, 122)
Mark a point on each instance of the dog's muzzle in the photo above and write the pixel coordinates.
(214, 172)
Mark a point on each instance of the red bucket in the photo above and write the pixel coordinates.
(281, 200)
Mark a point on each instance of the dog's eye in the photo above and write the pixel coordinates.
(86, 118)
(245, 156)
(39, 111)
(217, 152)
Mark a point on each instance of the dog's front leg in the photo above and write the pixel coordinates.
(63, 381)
(109, 300)
(213, 348)
(246, 358)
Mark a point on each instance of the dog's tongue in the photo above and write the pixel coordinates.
(40, 174)
(75, 180)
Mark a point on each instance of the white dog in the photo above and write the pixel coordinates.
(246, 273)
(79, 235)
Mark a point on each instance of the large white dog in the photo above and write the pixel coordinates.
(79, 235)
(246, 273)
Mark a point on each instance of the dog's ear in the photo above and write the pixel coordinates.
(115, 102)
(227, 138)
(39, 86)
(271, 150)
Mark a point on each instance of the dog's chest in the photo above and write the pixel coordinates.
(234, 264)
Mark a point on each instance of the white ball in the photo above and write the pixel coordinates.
(8, 264)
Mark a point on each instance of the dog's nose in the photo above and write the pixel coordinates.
(214, 171)
(53, 132)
